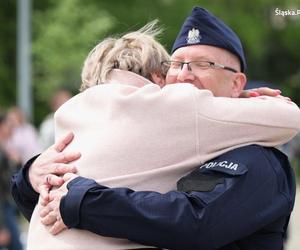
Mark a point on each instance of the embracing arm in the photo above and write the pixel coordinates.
(226, 123)
(24, 195)
(26, 184)
(186, 220)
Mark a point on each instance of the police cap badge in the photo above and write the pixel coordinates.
(202, 27)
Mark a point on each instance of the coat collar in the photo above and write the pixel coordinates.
(126, 77)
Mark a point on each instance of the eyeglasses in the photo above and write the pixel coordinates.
(175, 67)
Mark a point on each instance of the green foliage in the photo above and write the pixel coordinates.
(64, 34)
(7, 53)
(65, 31)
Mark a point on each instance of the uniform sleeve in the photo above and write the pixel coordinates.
(228, 208)
(227, 123)
(22, 192)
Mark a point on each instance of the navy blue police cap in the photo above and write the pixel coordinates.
(202, 27)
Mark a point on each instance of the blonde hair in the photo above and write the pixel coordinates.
(136, 51)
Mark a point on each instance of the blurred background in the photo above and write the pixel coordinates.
(43, 45)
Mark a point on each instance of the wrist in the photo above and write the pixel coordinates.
(29, 175)
(70, 204)
(30, 178)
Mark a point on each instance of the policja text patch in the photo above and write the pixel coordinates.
(207, 176)
(226, 167)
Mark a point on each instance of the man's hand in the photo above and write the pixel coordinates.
(50, 214)
(51, 164)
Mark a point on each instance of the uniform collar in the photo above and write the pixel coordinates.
(128, 78)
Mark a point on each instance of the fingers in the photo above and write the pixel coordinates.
(68, 157)
(49, 212)
(45, 211)
(49, 218)
(253, 94)
(61, 169)
(44, 193)
(63, 142)
(51, 181)
(268, 91)
(259, 92)
(53, 161)
(58, 227)
(69, 176)
(249, 93)
(54, 180)
(284, 98)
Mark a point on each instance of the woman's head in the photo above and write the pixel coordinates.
(137, 52)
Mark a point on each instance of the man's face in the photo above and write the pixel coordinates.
(221, 82)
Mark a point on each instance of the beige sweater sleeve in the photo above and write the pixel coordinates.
(226, 123)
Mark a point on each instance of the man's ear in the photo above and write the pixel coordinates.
(238, 84)
(158, 79)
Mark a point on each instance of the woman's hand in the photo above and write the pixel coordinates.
(265, 91)
(260, 91)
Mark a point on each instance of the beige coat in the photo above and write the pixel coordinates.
(137, 135)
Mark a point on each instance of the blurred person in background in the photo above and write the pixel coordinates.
(24, 139)
(292, 149)
(4, 234)
(9, 231)
(295, 148)
(46, 131)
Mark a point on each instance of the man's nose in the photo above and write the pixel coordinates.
(185, 74)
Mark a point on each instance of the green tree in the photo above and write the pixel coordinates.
(65, 31)
(7, 53)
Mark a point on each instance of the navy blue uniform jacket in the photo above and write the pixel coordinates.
(239, 200)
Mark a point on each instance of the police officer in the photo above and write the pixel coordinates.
(239, 200)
